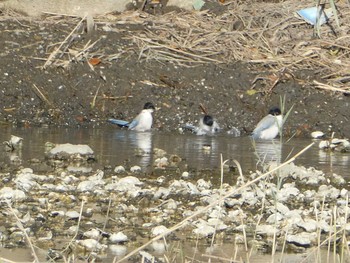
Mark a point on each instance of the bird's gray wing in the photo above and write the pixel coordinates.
(265, 123)
(134, 122)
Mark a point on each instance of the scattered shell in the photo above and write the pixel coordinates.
(92, 233)
(119, 237)
(302, 239)
(7, 193)
(340, 145)
(91, 244)
(185, 175)
(118, 250)
(119, 169)
(135, 169)
(203, 229)
(159, 153)
(161, 162)
(158, 230)
(14, 143)
(72, 214)
(317, 134)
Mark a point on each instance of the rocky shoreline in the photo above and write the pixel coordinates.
(293, 208)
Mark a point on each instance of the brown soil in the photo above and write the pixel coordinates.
(68, 91)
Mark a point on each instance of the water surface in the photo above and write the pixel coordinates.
(113, 146)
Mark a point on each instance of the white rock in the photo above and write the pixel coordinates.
(217, 223)
(309, 225)
(57, 213)
(119, 169)
(266, 230)
(324, 144)
(118, 250)
(274, 218)
(158, 230)
(87, 186)
(25, 181)
(91, 244)
(161, 162)
(338, 179)
(344, 193)
(324, 226)
(68, 148)
(92, 233)
(119, 237)
(203, 185)
(217, 212)
(170, 205)
(162, 192)
(14, 143)
(236, 216)
(73, 230)
(130, 180)
(203, 229)
(328, 191)
(288, 191)
(69, 179)
(185, 175)
(249, 198)
(183, 187)
(72, 214)
(302, 239)
(159, 246)
(317, 134)
(7, 193)
(135, 169)
(293, 216)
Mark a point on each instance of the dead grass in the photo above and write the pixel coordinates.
(267, 34)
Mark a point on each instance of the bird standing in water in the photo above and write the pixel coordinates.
(142, 122)
(269, 127)
(207, 126)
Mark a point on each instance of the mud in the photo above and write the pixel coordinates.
(76, 94)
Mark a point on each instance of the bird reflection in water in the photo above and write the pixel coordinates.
(268, 151)
(142, 141)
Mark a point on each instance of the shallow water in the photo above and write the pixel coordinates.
(121, 147)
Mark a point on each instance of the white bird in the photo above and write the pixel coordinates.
(207, 126)
(269, 127)
(142, 122)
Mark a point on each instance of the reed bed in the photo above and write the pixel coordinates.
(266, 34)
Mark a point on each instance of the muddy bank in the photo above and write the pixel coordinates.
(48, 77)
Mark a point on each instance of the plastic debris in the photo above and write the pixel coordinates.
(310, 14)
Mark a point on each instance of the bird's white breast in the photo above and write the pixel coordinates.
(272, 131)
(145, 121)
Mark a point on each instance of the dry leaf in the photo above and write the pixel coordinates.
(94, 61)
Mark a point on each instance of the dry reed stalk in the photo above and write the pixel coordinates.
(320, 85)
(71, 242)
(220, 259)
(21, 227)
(213, 204)
(5, 260)
(41, 95)
(265, 38)
(57, 50)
